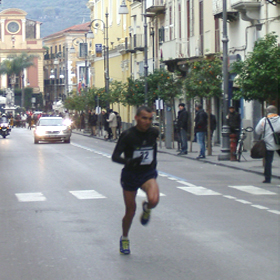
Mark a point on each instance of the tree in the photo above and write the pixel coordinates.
(258, 76)
(204, 80)
(14, 66)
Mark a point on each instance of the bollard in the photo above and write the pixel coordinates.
(233, 140)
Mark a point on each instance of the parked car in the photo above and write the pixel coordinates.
(52, 129)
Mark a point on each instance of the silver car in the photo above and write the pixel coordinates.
(52, 129)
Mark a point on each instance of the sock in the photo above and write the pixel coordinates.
(124, 238)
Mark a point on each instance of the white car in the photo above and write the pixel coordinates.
(52, 129)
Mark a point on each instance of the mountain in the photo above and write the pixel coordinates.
(55, 15)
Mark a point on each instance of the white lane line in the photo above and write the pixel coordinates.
(260, 207)
(243, 201)
(253, 190)
(186, 183)
(141, 193)
(87, 194)
(229, 197)
(198, 191)
(172, 178)
(30, 197)
(274, 211)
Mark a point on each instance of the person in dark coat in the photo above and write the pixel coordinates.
(92, 119)
(234, 121)
(183, 118)
(200, 129)
(82, 120)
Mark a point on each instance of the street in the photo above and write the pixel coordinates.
(61, 207)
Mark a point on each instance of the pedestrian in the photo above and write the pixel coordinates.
(200, 129)
(107, 133)
(234, 122)
(139, 146)
(82, 121)
(119, 123)
(92, 122)
(112, 120)
(263, 127)
(183, 118)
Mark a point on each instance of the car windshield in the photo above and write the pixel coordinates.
(4, 120)
(50, 122)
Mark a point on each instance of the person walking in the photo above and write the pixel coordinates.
(263, 127)
(183, 118)
(113, 123)
(200, 129)
(139, 146)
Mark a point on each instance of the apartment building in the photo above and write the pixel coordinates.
(66, 62)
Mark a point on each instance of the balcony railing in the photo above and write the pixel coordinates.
(155, 6)
(174, 49)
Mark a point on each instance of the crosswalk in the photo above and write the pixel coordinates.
(189, 188)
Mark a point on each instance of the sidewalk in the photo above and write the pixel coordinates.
(246, 164)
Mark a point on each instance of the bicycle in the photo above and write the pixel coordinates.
(240, 143)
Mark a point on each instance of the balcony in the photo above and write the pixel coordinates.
(174, 49)
(155, 6)
(249, 9)
(232, 14)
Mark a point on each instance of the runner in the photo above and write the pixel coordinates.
(139, 145)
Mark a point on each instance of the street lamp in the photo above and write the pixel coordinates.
(124, 10)
(225, 155)
(95, 24)
(52, 77)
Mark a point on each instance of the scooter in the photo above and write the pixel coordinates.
(4, 129)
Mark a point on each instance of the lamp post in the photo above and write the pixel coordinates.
(95, 25)
(124, 10)
(225, 151)
(52, 77)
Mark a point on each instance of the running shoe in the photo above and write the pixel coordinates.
(124, 246)
(145, 217)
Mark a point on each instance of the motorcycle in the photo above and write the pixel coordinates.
(4, 129)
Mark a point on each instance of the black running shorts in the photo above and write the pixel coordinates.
(132, 181)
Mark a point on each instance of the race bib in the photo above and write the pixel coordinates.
(147, 153)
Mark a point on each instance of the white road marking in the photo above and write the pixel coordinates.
(172, 178)
(229, 197)
(186, 183)
(141, 193)
(30, 197)
(260, 207)
(274, 211)
(199, 191)
(253, 190)
(87, 194)
(243, 201)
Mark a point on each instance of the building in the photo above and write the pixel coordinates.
(21, 35)
(66, 62)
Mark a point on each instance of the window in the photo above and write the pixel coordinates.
(83, 50)
(217, 35)
(201, 28)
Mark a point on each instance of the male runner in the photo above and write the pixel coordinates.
(139, 145)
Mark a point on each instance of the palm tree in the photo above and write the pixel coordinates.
(14, 66)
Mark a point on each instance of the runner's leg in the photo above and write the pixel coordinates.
(151, 188)
(130, 208)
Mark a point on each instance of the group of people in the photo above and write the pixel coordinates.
(200, 128)
(108, 123)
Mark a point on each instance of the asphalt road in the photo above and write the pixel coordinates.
(61, 208)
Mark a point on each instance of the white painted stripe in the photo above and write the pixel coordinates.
(30, 197)
(199, 191)
(141, 193)
(172, 178)
(243, 201)
(87, 194)
(186, 183)
(162, 175)
(274, 212)
(260, 207)
(253, 190)
(229, 197)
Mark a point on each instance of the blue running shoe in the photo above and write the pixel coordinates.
(145, 217)
(124, 246)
